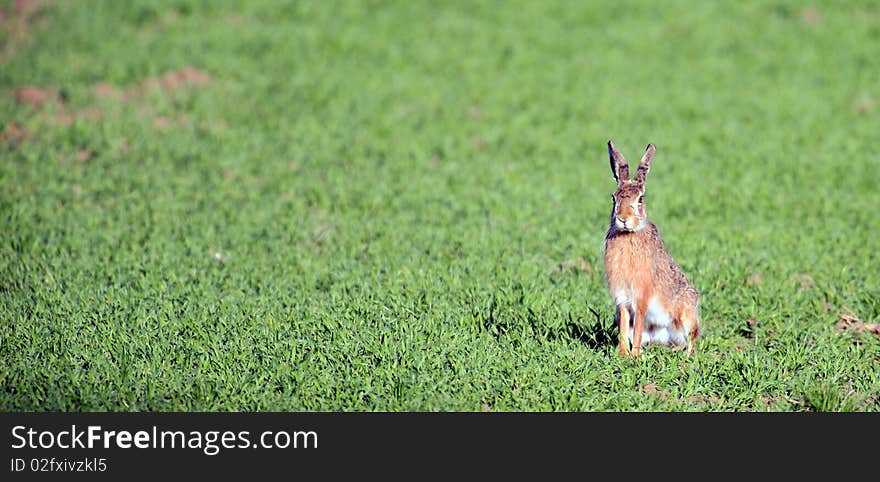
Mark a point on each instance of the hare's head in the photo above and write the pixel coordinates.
(628, 213)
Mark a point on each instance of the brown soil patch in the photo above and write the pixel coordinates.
(67, 118)
(178, 79)
(171, 81)
(90, 113)
(106, 90)
(161, 122)
(809, 15)
(651, 389)
(165, 123)
(36, 97)
(864, 104)
(803, 280)
(771, 402)
(851, 323)
(697, 398)
(187, 77)
(27, 7)
(13, 135)
(84, 155)
(579, 264)
(16, 22)
(235, 20)
(39, 97)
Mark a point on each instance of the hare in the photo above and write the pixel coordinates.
(655, 302)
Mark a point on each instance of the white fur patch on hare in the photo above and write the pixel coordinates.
(657, 314)
(659, 328)
(663, 336)
(625, 298)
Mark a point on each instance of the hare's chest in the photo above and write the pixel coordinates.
(628, 279)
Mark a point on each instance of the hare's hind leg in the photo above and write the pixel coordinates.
(623, 329)
(691, 323)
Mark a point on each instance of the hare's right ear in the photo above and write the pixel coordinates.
(619, 167)
(645, 164)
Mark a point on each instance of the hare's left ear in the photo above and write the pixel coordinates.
(618, 164)
(645, 164)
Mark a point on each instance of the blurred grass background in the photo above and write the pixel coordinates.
(401, 205)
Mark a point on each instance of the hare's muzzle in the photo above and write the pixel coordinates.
(628, 224)
(626, 218)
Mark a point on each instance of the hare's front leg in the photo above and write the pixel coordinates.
(638, 327)
(623, 329)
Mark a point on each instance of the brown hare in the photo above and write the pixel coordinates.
(655, 302)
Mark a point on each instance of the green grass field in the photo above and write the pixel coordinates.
(389, 206)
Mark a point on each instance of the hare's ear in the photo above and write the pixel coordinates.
(618, 164)
(645, 164)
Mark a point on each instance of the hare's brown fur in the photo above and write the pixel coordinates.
(652, 295)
